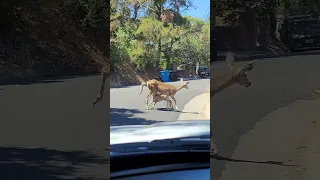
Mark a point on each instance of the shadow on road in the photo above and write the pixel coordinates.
(189, 112)
(28, 82)
(248, 161)
(40, 163)
(37, 80)
(122, 116)
(166, 110)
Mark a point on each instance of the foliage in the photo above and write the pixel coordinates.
(195, 48)
(159, 35)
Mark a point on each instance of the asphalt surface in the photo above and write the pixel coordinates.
(276, 83)
(50, 130)
(56, 123)
(127, 106)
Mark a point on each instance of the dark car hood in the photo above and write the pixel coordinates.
(158, 131)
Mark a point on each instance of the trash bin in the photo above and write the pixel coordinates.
(165, 75)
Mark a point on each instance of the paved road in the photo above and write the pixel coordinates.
(276, 83)
(51, 131)
(55, 122)
(127, 106)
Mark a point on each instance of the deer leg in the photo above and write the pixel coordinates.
(168, 104)
(154, 103)
(147, 98)
(175, 102)
(213, 146)
(104, 76)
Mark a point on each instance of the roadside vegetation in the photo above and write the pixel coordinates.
(73, 37)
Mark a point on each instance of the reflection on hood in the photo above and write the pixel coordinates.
(158, 131)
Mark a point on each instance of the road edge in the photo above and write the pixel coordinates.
(198, 108)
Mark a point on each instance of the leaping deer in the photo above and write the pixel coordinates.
(105, 74)
(235, 75)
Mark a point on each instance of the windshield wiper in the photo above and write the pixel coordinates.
(184, 143)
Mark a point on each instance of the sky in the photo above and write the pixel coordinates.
(202, 10)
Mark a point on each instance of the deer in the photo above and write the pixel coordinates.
(163, 88)
(105, 74)
(235, 75)
(150, 86)
(157, 97)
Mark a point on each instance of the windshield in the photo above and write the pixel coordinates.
(156, 93)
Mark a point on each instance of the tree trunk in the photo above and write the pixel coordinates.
(159, 41)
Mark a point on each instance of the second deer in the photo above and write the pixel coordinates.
(157, 97)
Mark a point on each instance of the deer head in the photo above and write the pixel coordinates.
(236, 75)
(184, 84)
(239, 71)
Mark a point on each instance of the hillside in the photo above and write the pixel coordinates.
(41, 39)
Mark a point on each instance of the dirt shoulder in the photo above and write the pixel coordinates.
(198, 108)
(283, 145)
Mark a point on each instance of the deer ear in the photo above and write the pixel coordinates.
(246, 68)
(252, 62)
(230, 60)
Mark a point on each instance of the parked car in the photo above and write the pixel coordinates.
(173, 76)
(300, 31)
(203, 71)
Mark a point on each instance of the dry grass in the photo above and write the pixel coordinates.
(128, 75)
(49, 40)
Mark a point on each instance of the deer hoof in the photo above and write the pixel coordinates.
(214, 151)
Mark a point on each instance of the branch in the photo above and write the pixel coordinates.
(146, 6)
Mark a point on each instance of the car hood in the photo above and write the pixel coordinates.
(158, 131)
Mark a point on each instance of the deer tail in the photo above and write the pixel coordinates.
(143, 84)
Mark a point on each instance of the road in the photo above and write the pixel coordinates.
(50, 130)
(237, 112)
(127, 106)
(55, 122)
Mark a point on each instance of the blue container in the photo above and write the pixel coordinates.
(165, 75)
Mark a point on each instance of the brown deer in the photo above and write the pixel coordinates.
(235, 75)
(105, 74)
(157, 97)
(163, 88)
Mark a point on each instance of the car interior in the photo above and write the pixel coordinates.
(162, 165)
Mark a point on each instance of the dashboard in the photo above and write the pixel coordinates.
(164, 165)
(175, 171)
(185, 175)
